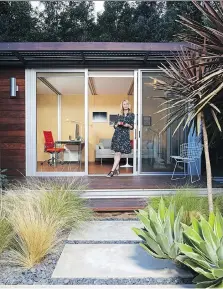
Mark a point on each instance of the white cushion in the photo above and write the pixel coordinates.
(106, 143)
(101, 145)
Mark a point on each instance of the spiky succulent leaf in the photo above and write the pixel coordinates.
(155, 222)
(192, 234)
(178, 236)
(204, 257)
(162, 210)
(194, 266)
(154, 246)
(161, 230)
(148, 250)
(211, 219)
(196, 225)
(146, 222)
(218, 225)
(209, 235)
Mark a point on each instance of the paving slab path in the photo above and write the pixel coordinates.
(108, 253)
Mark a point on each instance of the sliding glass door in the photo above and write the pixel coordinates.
(155, 148)
(57, 122)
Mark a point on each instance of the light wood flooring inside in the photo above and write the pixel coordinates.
(94, 168)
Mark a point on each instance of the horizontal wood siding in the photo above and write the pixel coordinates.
(12, 123)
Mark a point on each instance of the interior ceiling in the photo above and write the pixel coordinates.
(74, 85)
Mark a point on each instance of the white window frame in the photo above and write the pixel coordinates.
(31, 124)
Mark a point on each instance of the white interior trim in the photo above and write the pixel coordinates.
(135, 122)
(86, 126)
(139, 117)
(59, 116)
(111, 73)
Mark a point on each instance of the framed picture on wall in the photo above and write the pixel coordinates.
(112, 119)
(147, 120)
(99, 117)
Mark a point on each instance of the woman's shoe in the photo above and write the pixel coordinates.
(117, 172)
(110, 174)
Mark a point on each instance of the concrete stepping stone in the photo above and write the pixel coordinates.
(106, 231)
(113, 261)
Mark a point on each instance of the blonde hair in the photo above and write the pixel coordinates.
(121, 106)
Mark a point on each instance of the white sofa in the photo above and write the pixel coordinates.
(149, 150)
(103, 150)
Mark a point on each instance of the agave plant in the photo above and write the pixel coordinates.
(161, 230)
(203, 250)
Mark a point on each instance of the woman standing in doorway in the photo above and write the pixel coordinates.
(121, 139)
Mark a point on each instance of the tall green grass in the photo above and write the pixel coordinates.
(193, 204)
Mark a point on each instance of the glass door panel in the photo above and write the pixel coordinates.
(156, 148)
(60, 107)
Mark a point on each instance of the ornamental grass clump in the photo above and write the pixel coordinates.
(66, 207)
(58, 196)
(36, 234)
(161, 230)
(42, 217)
(6, 232)
(202, 250)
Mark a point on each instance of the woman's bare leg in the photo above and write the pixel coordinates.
(117, 158)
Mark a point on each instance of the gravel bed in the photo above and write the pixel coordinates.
(116, 215)
(116, 219)
(103, 242)
(41, 273)
(122, 281)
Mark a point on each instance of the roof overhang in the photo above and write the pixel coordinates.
(86, 54)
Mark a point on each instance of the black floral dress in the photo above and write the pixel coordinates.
(121, 138)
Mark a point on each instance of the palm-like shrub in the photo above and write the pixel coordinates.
(161, 231)
(212, 32)
(193, 99)
(203, 250)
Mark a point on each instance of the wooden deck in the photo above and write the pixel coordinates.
(133, 183)
(140, 182)
(117, 205)
(136, 183)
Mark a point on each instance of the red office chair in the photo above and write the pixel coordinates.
(49, 147)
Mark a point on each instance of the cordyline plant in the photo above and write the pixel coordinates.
(192, 93)
(212, 32)
(195, 79)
